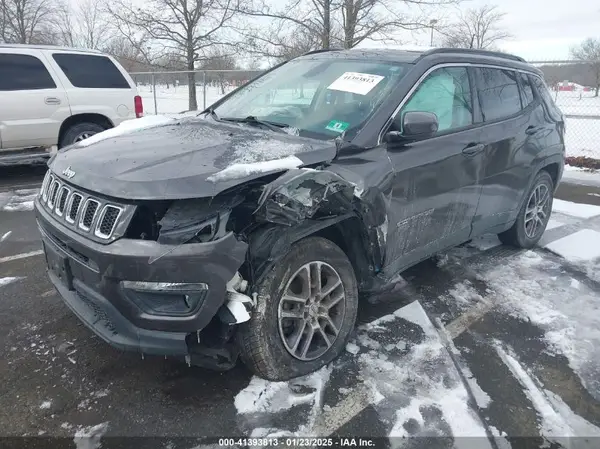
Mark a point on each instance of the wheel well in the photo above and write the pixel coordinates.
(552, 170)
(349, 235)
(98, 119)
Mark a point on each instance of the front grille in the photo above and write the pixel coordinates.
(89, 213)
(85, 212)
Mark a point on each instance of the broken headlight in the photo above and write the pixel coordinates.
(196, 221)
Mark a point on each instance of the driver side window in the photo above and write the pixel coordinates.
(446, 93)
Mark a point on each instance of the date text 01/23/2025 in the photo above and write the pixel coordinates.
(296, 442)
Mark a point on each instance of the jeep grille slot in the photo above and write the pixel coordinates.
(89, 213)
(74, 204)
(107, 221)
(86, 213)
(62, 200)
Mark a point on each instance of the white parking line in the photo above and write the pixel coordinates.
(21, 256)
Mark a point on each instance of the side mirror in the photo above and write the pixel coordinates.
(419, 124)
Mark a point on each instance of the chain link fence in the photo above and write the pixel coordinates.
(571, 84)
(167, 92)
(573, 87)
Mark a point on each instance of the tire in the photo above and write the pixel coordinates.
(261, 339)
(518, 235)
(75, 132)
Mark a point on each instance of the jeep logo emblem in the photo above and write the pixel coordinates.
(68, 172)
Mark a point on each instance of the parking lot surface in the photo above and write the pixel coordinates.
(482, 345)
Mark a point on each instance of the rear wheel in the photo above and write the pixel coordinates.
(533, 216)
(80, 131)
(307, 305)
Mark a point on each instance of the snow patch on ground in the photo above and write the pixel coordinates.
(558, 422)
(265, 396)
(553, 224)
(128, 126)
(537, 290)
(45, 405)
(424, 379)
(8, 280)
(90, 437)
(21, 200)
(236, 171)
(581, 246)
(5, 236)
(575, 209)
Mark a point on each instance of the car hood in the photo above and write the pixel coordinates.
(183, 159)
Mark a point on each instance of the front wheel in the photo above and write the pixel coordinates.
(534, 215)
(306, 311)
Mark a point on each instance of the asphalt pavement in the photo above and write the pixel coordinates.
(454, 353)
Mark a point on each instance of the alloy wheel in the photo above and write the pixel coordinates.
(84, 136)
(537, 211)
(311, 310)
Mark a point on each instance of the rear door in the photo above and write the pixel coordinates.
(96, 84)
(33, 104)
(436, 181)
(508, 153)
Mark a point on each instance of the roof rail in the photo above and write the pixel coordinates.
(321, 50)
(495, 54)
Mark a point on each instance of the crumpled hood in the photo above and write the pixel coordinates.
(180, 160)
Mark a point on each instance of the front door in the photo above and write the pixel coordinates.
(436, 186)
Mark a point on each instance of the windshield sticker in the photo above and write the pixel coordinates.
(356, 83)
(337, 126)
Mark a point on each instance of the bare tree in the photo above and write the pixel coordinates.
(26, 21)
(186, 27)
(476, 28)
(84, 25)
(315, 24)
(589, 52)
(219, 59)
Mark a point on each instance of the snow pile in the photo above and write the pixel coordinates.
(90, 437)
(558, 422)
(128, 126)
(262, 395)
(237, 171)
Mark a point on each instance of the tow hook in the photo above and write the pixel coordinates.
(238, 304)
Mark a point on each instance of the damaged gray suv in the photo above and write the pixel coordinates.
(252, 229)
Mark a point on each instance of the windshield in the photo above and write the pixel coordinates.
(315, 98)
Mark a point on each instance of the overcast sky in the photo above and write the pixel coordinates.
(542, 30)
(545, 29)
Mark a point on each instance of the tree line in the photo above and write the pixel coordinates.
(213, 34)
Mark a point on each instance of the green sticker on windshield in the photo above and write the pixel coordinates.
(337, 126)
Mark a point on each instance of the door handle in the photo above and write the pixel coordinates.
(52, 100)
(532, 130)
(473, 149)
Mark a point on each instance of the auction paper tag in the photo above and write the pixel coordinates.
(356, 83)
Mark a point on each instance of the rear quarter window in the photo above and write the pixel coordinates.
(498, 93)
(91, 71)
(23, 72)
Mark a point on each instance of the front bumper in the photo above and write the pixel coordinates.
(89, 275)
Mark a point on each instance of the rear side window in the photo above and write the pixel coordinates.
(526, 90)
(23, 72)
(546, 97)
(446, 93)
(90, 71)
(498, 93)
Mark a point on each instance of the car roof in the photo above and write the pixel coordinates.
(436, 55)
(50, 47)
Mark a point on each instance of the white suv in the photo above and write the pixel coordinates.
(53, 97)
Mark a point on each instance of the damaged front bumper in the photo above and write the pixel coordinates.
(141, 295)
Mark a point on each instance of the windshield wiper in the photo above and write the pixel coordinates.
(277, 127)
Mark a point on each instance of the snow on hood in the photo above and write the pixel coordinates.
(237, 171)
(128, 126)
